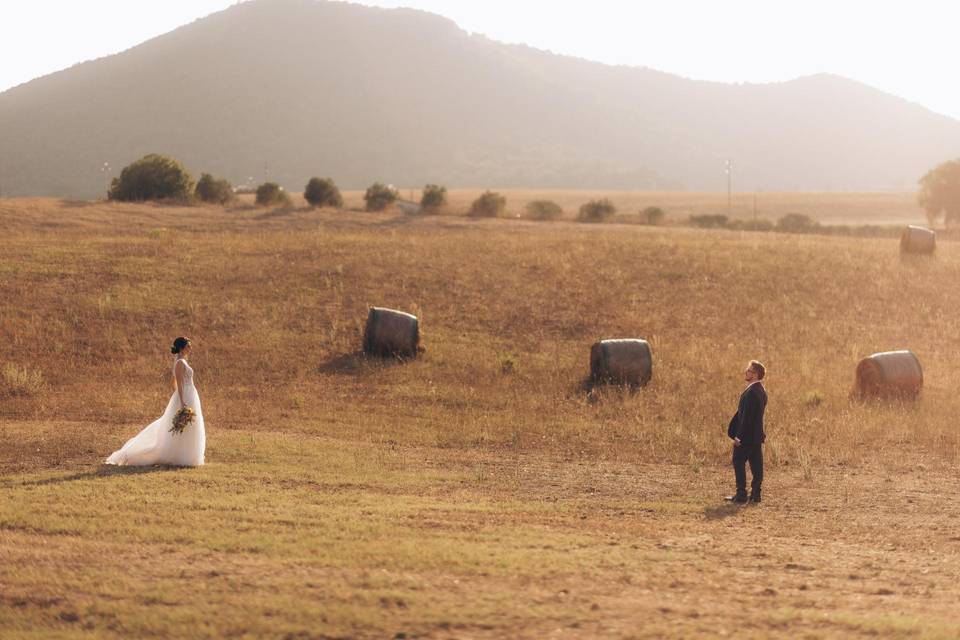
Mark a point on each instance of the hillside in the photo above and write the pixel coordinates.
(287, 89)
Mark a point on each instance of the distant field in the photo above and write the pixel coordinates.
(479, 491)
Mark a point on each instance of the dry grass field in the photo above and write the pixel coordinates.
(479, 491)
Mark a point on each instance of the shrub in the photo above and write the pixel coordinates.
(709, 221)
(544, 210)
(508, 363)
(652, 215)
(434, 198)
(271, 194)
(597, 211)
(152, 177)
(322, 192)
(210, 189)
(20, 381)
(379, 196)
(813, 398)
(796, 223)
(489, 205)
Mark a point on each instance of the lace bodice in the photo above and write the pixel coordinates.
(187, 372)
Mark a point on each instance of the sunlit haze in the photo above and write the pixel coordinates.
(905, 48)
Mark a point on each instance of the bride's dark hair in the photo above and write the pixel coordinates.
(179, 344)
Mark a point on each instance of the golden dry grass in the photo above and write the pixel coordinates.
(478, 491)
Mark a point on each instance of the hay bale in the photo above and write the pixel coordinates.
(621, 362)
(391, 333)
(918, 240)
(889, 374)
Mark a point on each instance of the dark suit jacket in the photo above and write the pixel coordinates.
(747, 424)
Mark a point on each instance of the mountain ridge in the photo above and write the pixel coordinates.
(288, 89)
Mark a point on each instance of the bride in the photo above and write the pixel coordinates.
(156, 444)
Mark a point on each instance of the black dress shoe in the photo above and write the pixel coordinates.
(740, 498)
(754, 497)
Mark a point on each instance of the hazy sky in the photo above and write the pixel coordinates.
(902, 47)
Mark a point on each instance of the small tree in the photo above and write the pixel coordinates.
(434, 198)
(940, 192)
(323, 192)
(152, 177)
(543, 210)
(652, 215)
(597, 211)
(271, 194)
(489, 205)
(379, 196)
(216, 190)
(796, 223)
(709, 220)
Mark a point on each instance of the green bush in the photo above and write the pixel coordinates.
(434, 198)
(489, 205)
(543, 210)
(379, 196)
(652, 215)
(709, 221)
(323, 192)
(271, 194)
(216, 190)
(597, 211)
(152, 177)
(796, 223)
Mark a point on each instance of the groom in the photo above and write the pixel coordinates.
(746, 431)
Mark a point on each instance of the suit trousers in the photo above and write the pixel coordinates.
(752, 453)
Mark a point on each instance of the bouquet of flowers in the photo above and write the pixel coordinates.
(182, 420)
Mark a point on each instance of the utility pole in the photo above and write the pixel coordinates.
(729, 184)
(105, 170)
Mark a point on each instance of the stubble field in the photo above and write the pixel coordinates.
(478, 491)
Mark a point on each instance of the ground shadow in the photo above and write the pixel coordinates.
(369, 221)
(103, 471)
(279, 212)
(357, 363)
(398, 221)
(594, 390)
(76, 204)
(721, 511)
(920, 260)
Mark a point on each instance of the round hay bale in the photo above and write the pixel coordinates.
(889, 374)
(918, 240)
(391, 333)
(621, 362)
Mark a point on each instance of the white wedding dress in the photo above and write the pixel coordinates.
(157, 445)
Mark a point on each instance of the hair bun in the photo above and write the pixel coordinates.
(179, 344)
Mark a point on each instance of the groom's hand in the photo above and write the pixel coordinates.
(736, 442)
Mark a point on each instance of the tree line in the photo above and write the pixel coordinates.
(158, 177)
